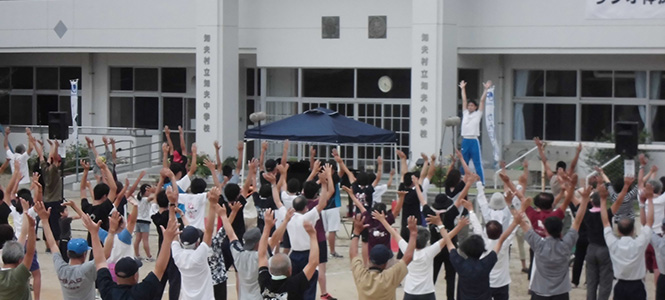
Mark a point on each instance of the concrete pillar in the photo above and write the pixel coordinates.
(433, 77)
(217, 115)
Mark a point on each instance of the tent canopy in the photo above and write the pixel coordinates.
(321, 125)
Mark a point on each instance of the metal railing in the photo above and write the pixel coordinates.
(129, 162)
(586, 180)
(496, 173)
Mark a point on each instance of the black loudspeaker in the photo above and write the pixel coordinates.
(625, 137)
(57, 126)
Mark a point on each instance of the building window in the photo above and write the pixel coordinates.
(546, 103)
(30, 93)
(150, 98)
(328, 83)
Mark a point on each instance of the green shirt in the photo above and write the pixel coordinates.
(14, 283)
(52, 182)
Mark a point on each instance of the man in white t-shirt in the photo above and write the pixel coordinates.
(472, 114)
(21, 155)
(191, 256)
(419, 281)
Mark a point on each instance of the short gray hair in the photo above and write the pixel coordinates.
(657, 186)
(20, 148)
(279, 265)
(12, 252)
(423, 237)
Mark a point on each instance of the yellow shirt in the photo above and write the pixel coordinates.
(372, 284)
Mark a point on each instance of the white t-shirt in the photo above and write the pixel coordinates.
(23, 165)
(120, 250)
(658, 213)
(195, 209)
(287, 199)
(297, 233)
(145, 209)
(421, 269)
(18, 219)
(471, 123)
(196, 278)
(379, 190)
(500, 274)
(184, 183)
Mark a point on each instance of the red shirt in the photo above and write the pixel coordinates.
(320, 232)
(537, 218)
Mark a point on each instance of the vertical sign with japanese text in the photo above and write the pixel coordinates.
(206, 80)
(425, 83)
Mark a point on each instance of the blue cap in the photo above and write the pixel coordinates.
(125, 237)
(380, 254)
(79, 246)
(189, 236)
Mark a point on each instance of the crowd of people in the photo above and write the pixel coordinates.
(202, 233)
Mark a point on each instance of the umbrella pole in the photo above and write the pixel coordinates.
(244, 154)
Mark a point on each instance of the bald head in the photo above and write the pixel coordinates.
(280, 265)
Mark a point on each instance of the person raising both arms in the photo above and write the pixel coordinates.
(472, 114)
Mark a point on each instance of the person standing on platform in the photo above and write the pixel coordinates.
(472, 114)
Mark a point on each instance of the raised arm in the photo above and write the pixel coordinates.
(263, 248)
(627, 182)
(84, 178)
(97, 251)
(390, 178)
(524, 178)
(193, 164)
(481, 198)
(165, 155)
(114, 220)
(44, 215)
(423, 170)
(573, 164)
(570, 192)
(355, 200)
(486, 85)
(342, 167)
(241, 153)
(183, 145)
(462, 86)
(403, 168)
(213, 171)
(327, 188)
(30, 247)
(283, 174)
(28, 132)
(262, 157)
(253, 165)
(313, 262)
(432, 168)
(276, 197)
(358, 227)
(507, 232)
(400, 203)
(413, 236)
(379, 171)
(276, 237)
(543, 157)
(603, 193)
(213, 198)
(436, 220)
(114, 154)
(648, 194)
(581, 211)
(465, 166)
(169, 233)
(419, 192)
(285, 152)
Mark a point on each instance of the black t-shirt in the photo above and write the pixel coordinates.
(262, 204)
(291, 288)
(456, 190)
(149, 288)
(160, 219)
(4, 213)
(448, 217)
(364, 195)
(411, 207)
(98, 212)
(239, 222)
(594, 226)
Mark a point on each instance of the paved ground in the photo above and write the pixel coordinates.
(340, 280)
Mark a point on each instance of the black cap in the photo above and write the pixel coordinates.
(189, 236)
(380, 254)
(270, 165)
(127, 266)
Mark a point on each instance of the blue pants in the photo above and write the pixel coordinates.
(299, 260)
(471, 150)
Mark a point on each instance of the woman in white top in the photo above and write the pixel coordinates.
(472, 114)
